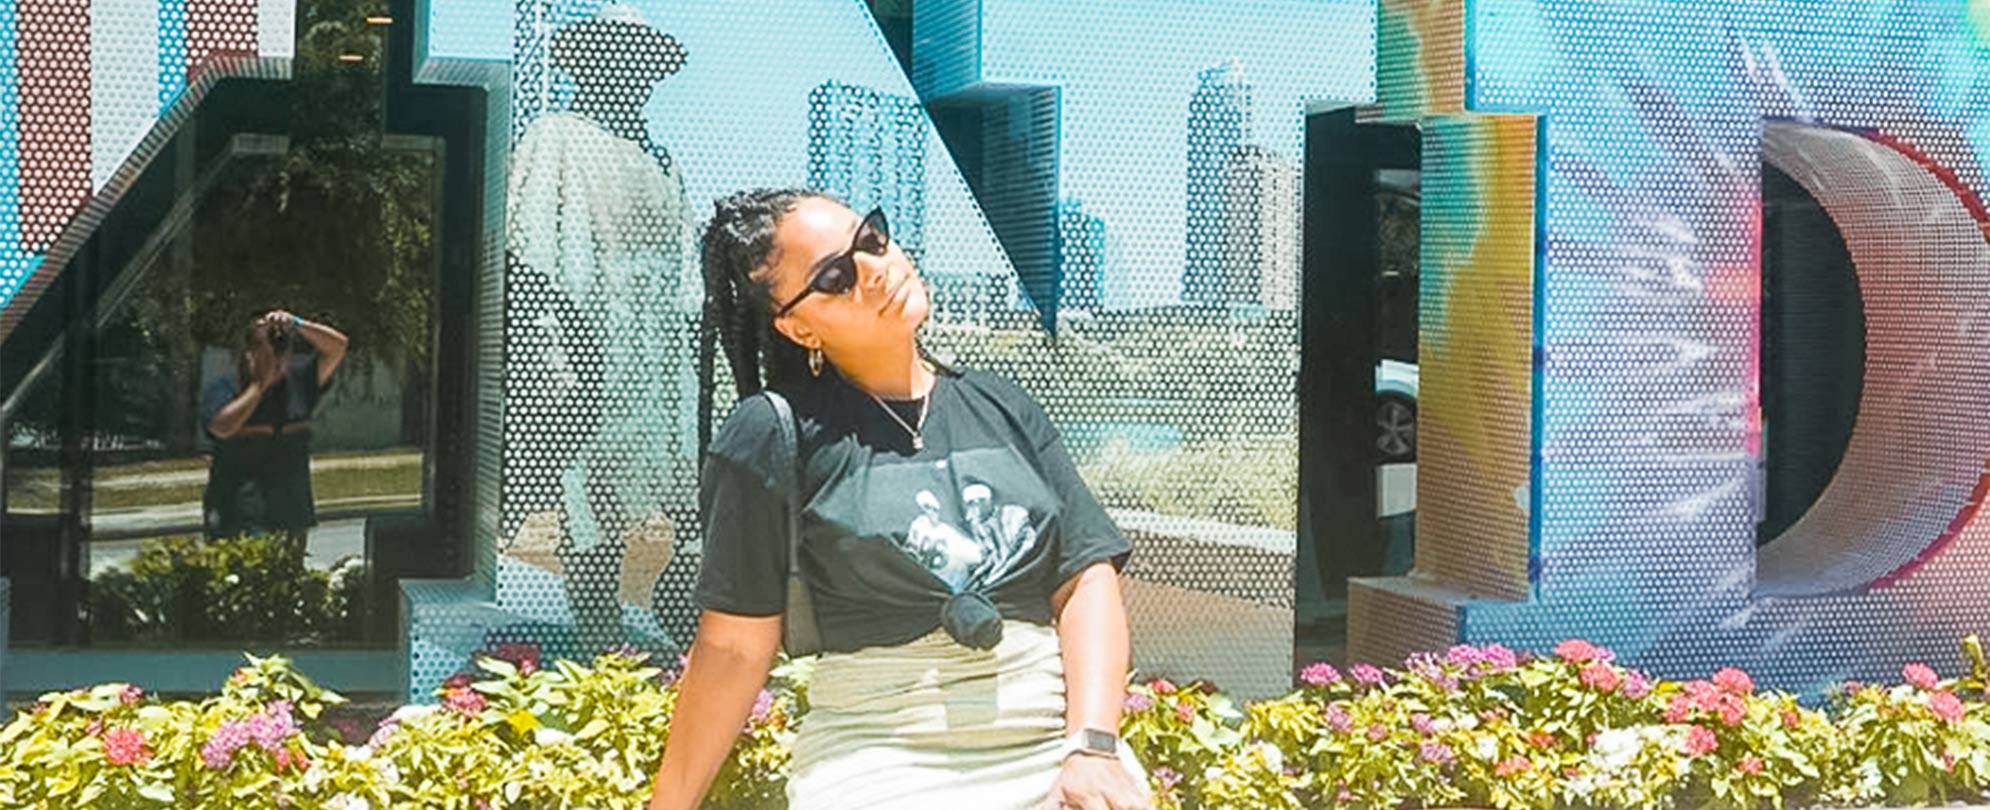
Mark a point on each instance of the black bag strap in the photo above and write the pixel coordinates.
(798, 632)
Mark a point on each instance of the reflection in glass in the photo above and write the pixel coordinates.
(599, 462)
(220, 420)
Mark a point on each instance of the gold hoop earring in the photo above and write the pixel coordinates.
(815, 362)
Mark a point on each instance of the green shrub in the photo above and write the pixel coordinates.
(1481, 727)
(255, 588)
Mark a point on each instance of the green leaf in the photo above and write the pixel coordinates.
(593, 728)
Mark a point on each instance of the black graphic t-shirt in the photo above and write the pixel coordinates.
(897, 542)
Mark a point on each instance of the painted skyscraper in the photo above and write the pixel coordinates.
(869, 148)
(1081, 255)
(1261, 228)
(1219, 119)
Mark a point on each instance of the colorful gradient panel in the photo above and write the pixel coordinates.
(1647, 345)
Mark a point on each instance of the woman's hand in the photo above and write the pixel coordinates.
(264, 367)
(1089, 782)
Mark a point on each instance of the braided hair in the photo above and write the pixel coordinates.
(738, 307)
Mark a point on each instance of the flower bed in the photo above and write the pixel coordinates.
(1475, 726)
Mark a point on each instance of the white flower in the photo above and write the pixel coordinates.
(1582, 785)
(1616, 749)
(346, 801)
(550, 736)
(413, 712)
(1485, 747)
(1272, 756)
(358, 753)
(1442, 725)
(1468, 722)
(387, 771)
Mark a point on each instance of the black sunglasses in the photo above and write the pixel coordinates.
(837, 275)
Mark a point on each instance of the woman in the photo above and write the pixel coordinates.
(259, 481)
(927, 691)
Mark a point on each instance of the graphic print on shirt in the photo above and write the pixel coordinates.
(995, 537)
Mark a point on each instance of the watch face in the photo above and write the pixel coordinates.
(1102, 741)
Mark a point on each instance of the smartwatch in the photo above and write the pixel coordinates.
(1092, 742)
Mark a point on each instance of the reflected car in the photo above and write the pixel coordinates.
(1395, 411)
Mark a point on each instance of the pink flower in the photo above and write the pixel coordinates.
(1137, 703)
(1377, 732)
(124, 746)
(460, 680)
(1751, 765)
(131, 694)
(1512, 765)
(1540, 739)
(219, 751)
(1600, 677)
(1185, 712)
(1338, 720)
(1319, 674)
(1946, 706)
(1678, 709)
(1162, 686)
(1365, 674)
(1497, 658)
(1732, 710)
(523, 654)
(1578, 651)
(1637, 686)
(1436, 753)
(763, 706)
(1700, 741)
(1464, 655)
(95, 728)
(274, 725)
(1421, 722)
(1704, 695)
(1734, 681)
(468, 702)
(1791, 719)
(1920, 675)
(1168, 777)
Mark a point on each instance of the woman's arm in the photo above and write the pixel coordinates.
(729, 663)
(263, 373)
(1096, 645)
(330, 344)
(236, 413)
(1092, 633)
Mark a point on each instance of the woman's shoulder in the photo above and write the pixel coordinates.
(751, 433)
(996, 387)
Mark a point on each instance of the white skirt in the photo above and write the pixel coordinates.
(934, 724)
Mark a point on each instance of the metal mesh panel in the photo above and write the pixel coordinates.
(1420, 58)
(98, 89)
(1476, 355)
(1915, 463)
(1649, 424)
(1216, 451)
(948, 56)
(1387, 620)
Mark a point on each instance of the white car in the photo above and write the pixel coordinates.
(1395, 410)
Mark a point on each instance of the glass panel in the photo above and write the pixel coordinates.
(1398, 211)
(251, 387)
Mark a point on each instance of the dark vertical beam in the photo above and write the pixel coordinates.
(1337, 354)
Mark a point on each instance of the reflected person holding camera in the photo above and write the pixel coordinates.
(259, 481)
